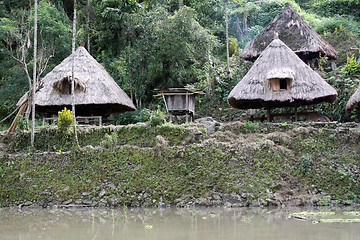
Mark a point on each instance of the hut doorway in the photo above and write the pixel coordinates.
(66, 88)
(64, 85)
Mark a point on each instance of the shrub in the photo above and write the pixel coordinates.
(156, 118)
(110, 141)
(353, 66)
(21, 124)
(305, 164)
(345, 85)
(65, 120)
(142, 115)
(232, 47)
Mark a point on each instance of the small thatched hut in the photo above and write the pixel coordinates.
(295, 33)
(354, 100)
(279, 78)
(96, 92)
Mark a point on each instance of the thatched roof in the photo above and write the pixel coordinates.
(96, 92)
(295, 33)
(277, 61)
(354, 100)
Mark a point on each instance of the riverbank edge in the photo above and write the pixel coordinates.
(241, 164)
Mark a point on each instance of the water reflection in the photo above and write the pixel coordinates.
(192, 224)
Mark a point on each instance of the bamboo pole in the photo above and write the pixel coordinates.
(34, 81)
(73, 76)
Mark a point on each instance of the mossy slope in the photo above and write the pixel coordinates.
(239, 165)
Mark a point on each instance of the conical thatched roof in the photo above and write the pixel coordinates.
(354, 100)
(278, 62)
(96, 92)
(295, 33)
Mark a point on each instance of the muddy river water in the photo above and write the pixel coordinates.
(189, 223)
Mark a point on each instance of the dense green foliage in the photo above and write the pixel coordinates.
(157, 44)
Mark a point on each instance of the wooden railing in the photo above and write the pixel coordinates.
(82, 120)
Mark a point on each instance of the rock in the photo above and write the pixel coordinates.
(102, 203)
(269, 193)
(216, 196)
(209, 123)
(67, 202)
(113, 201)
(232, 198)
(102, 193)
(160, 144)
(255, 204)
(87, 202)
(227, 205)
(27, 203)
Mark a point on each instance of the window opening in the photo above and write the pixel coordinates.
(283, 84)
(279, 83)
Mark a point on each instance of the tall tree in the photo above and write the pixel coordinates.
(227, 37)
(34, 80)
(73, 75)
(88, 26)
(15, 32)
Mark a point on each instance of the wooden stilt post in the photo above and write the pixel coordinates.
(187, 107)
(268, 115)
(296, 114)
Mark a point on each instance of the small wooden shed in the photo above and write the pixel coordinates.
(179, 101)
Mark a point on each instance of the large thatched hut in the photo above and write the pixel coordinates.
(354, 100)
(279, 78)
(96, 92)
(295, 33)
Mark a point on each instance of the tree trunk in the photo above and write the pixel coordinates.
(34, 81)
(88, 26)
(227, 37)
(130, 73)
(245, 27)
(238, 28)
(73, 77)
(181, 4)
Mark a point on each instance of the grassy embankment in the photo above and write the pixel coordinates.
(240, 165)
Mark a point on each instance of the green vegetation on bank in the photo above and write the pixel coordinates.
(50, 139)
(240, 165)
